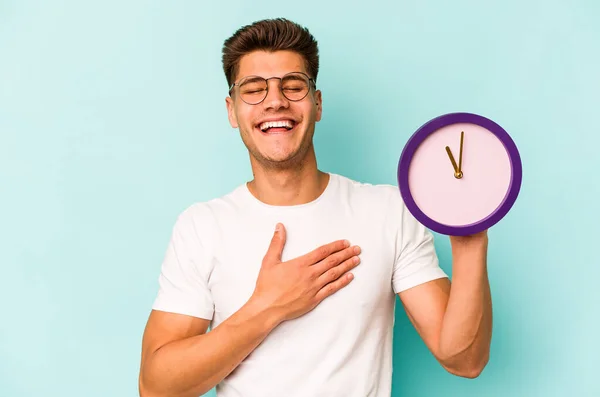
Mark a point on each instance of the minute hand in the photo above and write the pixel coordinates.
(460, 156)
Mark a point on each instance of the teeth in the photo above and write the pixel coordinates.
(276, 124)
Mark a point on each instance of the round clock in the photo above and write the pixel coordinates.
(459, 174)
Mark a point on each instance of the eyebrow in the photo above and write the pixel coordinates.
(254, 78)
(293, 76)
(251, 79)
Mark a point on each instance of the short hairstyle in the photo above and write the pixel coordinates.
(270, 35)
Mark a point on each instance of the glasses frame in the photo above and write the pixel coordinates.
(310, 80)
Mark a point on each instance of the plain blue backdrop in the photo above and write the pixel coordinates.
(113, 120)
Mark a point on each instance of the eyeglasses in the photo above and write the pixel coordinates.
(254, 89)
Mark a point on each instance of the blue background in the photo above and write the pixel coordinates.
(113, 120)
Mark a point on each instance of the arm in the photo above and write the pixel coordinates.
(455, 321)
(180, 359)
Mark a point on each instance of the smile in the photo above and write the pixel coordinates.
(275, 126)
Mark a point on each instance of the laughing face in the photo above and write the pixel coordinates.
(278, 131)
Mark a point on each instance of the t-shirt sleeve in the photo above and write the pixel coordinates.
(416, 259)
(183, 280)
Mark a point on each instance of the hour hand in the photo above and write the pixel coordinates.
(457, 172)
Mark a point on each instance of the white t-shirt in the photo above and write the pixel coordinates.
(343, 347)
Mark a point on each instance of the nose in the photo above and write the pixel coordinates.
(275, 99)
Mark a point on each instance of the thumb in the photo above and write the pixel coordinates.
(276, 247)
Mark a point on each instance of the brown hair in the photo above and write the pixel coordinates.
(270, 35)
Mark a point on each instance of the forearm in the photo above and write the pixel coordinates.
(467, 326)
(193, 366)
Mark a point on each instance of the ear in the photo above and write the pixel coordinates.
(319, 103)
(231, 112)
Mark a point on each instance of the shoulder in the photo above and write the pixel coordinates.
(381, 202)
(382, 195)
(200, 219)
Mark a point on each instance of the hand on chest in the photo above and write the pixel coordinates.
(238, 263)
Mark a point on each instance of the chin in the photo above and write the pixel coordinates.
(279, 159)
(279, 147)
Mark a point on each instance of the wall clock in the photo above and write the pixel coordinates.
(459, 174)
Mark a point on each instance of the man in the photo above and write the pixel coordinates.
(296, 272)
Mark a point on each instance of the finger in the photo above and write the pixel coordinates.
(324, 251)
(331, 288)
(336, 272)
(275, 249)
(335, 259)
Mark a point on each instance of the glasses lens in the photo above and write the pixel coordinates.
(294, 86)
(253, 89)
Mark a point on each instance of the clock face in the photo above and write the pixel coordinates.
(459, 174)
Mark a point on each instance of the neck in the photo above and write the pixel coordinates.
(295, 185)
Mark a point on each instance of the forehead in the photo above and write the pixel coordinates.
(269, 64)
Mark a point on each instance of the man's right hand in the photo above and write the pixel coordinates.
(180, 358)
(293, 288)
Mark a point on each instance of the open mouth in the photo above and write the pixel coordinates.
(277, 126)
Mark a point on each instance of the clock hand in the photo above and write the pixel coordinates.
(452, 159)
(462, 135)
(457, 173)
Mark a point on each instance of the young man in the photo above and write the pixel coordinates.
(296, 272)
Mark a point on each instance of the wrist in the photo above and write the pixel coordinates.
(258, 307)
(472, 243)
(469, 252)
